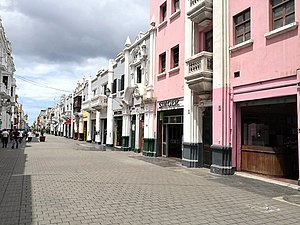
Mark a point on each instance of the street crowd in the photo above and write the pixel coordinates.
(14, 137)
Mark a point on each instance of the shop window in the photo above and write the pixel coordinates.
(138, 75)
(175, 56)
(208, 41)
(163, 12)
(162, 63)
(283, 13)
(242, 29)
(270, 125)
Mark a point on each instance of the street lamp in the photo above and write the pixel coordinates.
(107, 92)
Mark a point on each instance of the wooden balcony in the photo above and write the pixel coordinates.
(200, 72)
(200, 11)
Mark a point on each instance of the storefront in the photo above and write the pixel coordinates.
(269, 137)
(170, 128)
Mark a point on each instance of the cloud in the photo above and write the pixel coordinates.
(59, 42)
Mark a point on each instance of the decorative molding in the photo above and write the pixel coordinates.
(281, 30)
(242, 45)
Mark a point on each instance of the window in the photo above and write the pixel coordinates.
(176, 6)
(94, 92)
(162, 63)
(163, 12)
(104, 87)
(138, 75)
(11, 91)
(242, 26)
(283, 12)
(122, 82)
(208, 41)
(175, 56)
(5, 80)
(114, 87)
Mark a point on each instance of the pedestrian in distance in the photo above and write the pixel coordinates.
(5, 136)
(15, 136)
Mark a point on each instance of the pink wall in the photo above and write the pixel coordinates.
(266, 59)
(172, 84)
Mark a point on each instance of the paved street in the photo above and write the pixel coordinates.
(63, 181)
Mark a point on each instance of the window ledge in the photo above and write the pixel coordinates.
(162, 24)
(175, 14)
(239, 46)
(174, 70)
(161, 74)
(281, 30)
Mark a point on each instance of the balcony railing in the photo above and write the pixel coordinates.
(200, 11)
(4, 92)
(99, 102)
(200, 72)
(86, 105)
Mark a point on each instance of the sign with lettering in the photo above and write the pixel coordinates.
(170, 104)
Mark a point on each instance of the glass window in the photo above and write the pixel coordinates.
(242, 26)
(175, 57)
(163, 12)
(208, 41)
(283, 12)
(138, 75)
(162, 62)
(176, 5)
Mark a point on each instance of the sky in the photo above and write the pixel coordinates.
(55, 43)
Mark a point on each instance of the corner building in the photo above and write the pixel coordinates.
(264, 95)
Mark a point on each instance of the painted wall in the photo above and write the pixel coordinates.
(168, 36)
(266, 58)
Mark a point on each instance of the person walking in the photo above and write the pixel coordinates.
(5, 136)
(15, 136)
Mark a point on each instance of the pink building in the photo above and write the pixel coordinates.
(167, 16)
(264, 90)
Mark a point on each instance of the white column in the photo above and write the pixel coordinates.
(98, 123)
(72, 117)
(137, 131)
(89, 130)
(110, 115)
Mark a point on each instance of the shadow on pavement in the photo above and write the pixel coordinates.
(15, 187)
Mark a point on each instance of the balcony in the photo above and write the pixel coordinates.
(4, 93)
(99, 102)
(200, 73)
(200, 11)
(13, 82)
(86, 105)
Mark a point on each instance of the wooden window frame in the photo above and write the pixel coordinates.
(162, 62)
(284, 16)
(243, 24)
(175, 50)
(175, 9)
(163, 12)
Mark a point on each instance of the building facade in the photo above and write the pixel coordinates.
(264, 87)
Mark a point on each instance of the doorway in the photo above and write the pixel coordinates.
(207, 137)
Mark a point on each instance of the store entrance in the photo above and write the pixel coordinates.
(270, 140)
(207, 137)
(175, 132)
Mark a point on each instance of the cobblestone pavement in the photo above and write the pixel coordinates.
(62, 181)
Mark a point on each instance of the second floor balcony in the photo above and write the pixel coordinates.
(200, 72)
(4, 92)
(200, 11)
(99, 102)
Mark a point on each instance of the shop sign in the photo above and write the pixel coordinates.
(170, 104)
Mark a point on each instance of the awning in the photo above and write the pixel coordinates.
(67, 122)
